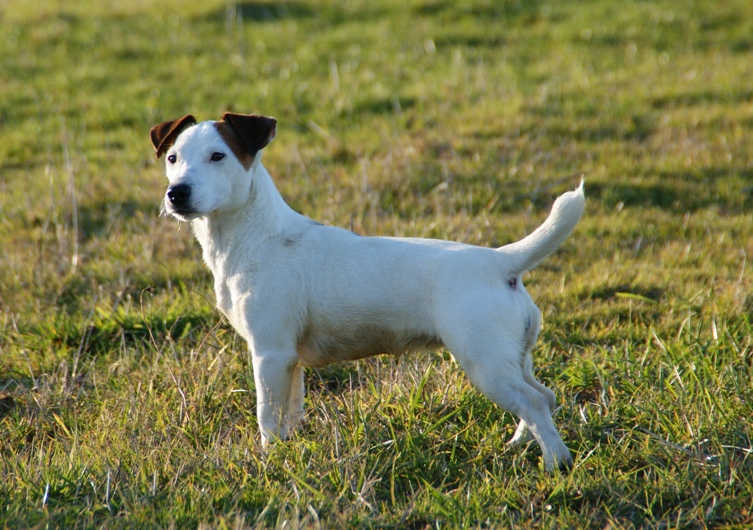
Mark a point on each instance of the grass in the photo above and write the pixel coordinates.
(127, 401)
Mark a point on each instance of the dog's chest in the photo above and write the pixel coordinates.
(223, 290)
(222, 260)
(224, 300)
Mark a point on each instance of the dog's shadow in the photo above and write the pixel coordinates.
(335, 378)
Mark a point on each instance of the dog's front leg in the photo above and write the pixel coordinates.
(274, 373)
(295, 405)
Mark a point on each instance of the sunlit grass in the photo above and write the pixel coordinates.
(127, 401)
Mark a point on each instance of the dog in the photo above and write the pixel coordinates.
(306, 295)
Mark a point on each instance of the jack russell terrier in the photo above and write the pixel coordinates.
(303, 294)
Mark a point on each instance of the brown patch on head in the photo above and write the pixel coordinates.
(246, 132)
(255, 131)
(235, 143)
(164, 134)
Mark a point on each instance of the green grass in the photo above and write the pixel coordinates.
(127, 401)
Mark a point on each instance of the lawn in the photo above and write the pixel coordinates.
(127, 401)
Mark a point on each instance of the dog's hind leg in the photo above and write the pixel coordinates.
(532, 408)
(522, 434)
(513, 393)
(493, 364)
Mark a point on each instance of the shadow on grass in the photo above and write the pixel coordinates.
(528, 11)
(267, 11)
(123, 328)
(97, 218)
(680, 191)
(702, 97)
(381, 106)
(636, 129)
(651, 293)
(334, 379)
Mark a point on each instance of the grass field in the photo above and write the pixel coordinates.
(126, 401)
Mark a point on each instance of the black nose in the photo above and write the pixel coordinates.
(179, 194)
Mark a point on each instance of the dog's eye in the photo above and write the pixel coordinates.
(172, 159)
(216, 157)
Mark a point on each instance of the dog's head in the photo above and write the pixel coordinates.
(210, 165)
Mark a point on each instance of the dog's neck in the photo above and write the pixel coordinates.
(230, 238)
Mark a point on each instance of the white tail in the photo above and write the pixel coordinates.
(525, 254)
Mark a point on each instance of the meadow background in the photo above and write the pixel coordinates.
(126, 400)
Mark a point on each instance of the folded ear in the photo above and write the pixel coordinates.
(255, 131)
(164, 134)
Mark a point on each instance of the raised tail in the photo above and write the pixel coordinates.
(525, 254)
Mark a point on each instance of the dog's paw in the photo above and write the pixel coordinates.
(562, 462)
(566, 465)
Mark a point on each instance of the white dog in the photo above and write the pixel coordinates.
(303, 294)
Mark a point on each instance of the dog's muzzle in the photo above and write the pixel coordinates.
(179, 197)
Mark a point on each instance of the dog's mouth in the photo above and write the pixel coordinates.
(181, 213)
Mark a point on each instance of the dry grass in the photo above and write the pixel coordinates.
(126, 401)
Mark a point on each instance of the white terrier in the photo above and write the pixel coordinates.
(303, 294)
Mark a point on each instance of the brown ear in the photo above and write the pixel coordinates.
(255, 131)
(164, 134)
